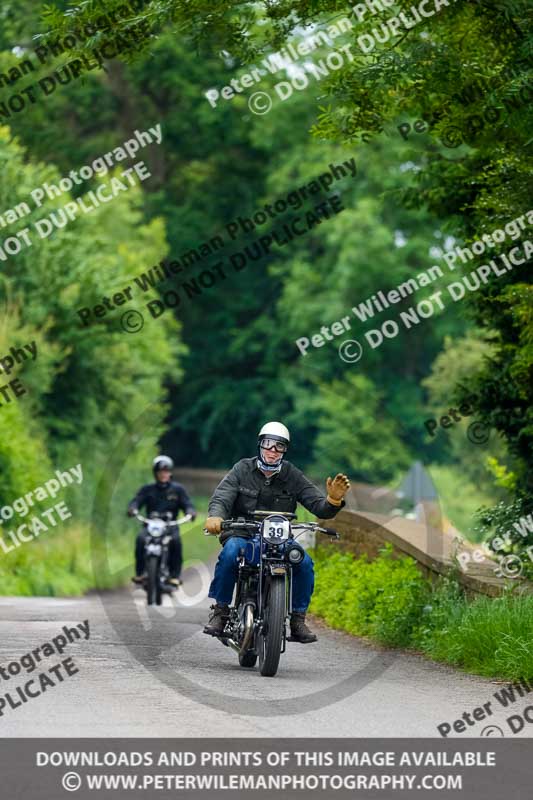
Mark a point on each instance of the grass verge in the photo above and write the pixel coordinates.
(390, 601)
(62, 562)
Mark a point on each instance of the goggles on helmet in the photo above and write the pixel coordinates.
(268, 444)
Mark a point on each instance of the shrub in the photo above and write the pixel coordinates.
(382, 598)
(442, 613)
(389, 600)
(500, 525)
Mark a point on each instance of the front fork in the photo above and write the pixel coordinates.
(162, 557)
(252, 618)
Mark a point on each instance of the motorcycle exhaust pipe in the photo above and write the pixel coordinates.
(241, 649)
(248, 630)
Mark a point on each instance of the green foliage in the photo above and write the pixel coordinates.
(457, 365)
(348, 438)
(503, 522)
(24, 461)
(440, 617)
(389, 600)
(460, 499)
(259, 312)
(382, 599)
(488, 636)
(240, 365)
(502, 476)
(87, 386)
(67, 560)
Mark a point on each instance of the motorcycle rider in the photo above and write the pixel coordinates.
(268, 483)
(165, 495)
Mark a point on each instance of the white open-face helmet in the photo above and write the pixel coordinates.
(274, 433)
(162, 462)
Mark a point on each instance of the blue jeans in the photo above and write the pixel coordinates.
(226, 571)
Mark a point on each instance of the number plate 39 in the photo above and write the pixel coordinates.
(276, 529)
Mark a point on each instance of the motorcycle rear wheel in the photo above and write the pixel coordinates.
(270, 643)
(153, 589)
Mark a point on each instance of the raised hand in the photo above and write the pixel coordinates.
(337, 488)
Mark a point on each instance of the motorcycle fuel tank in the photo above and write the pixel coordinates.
(251, 551)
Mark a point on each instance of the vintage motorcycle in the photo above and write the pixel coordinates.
(156, 555)
(256, 627)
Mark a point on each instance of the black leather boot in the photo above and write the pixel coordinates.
(299, 630)
(217, 620)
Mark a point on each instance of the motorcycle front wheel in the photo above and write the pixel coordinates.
(270, 639)
(153, 588)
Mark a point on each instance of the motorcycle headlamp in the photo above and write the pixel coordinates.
(295, 554)
(156, 527)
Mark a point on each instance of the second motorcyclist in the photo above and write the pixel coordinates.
(162, 497)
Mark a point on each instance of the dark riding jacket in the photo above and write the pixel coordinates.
(246, 489)
(161, 497)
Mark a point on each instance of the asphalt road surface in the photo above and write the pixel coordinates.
(152, 672)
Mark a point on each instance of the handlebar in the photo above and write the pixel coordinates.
(230, 523)
(287, 514)
(170, 523)
(328, 531)
(239, 525)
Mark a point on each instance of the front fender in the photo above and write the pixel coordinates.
(278, 569)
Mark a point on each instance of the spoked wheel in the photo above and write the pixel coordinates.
(153, 588)
(270, 638)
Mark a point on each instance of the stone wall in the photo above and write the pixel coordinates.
(364, 533)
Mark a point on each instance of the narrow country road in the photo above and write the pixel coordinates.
(152, 672)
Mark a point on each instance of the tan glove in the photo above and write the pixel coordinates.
(337, 488)
(213, 525)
